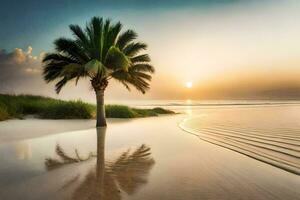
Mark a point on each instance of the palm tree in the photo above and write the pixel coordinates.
(100, 52)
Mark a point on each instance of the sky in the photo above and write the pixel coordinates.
(228, 49)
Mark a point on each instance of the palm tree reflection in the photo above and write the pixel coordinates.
(127, 173)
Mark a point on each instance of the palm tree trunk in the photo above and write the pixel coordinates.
(101, 120)
(100, 167)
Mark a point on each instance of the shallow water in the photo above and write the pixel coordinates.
(268, 134)
(152, 158)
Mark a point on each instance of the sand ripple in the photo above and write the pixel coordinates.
(265, 138)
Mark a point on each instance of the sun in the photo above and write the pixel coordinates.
(189, 84)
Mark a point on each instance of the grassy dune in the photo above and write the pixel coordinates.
(18, 106)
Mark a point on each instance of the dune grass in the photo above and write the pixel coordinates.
(121, 111)
(18, 106)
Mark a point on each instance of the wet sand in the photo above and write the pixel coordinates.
(268, 134)
(16, 129)
(150, 158)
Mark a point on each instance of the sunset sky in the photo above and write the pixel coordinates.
(227, 49)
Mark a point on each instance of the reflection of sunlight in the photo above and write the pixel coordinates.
(188, 108)
(23, 151)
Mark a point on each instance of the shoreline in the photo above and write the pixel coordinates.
(29, 128)
(208, 171)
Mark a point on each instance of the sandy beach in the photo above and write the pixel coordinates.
(150, 100)
(173, 163)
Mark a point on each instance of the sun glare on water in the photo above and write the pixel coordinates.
(189, 84)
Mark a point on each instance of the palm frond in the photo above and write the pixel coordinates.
(71, 48)
(133, 48)
(57, 66)
(140, 58)
(141, 75)
(95, 32)
(52, 70)
(57, 57)
(143, 67)
(114, 33)
(74, 71)
(125, 38)
(105, 33)
(138, 80)
(111, 32)
(60, 84)
(116, 60)
(79, 34)
(140, 84)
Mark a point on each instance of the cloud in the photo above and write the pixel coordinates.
(19, 69)
(21, 73)
(19, 60)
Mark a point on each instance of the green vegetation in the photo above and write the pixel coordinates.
(121, 111)
(100, 51)
(43, 107)
(18, 106)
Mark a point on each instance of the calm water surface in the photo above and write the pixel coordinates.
(229, 152)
